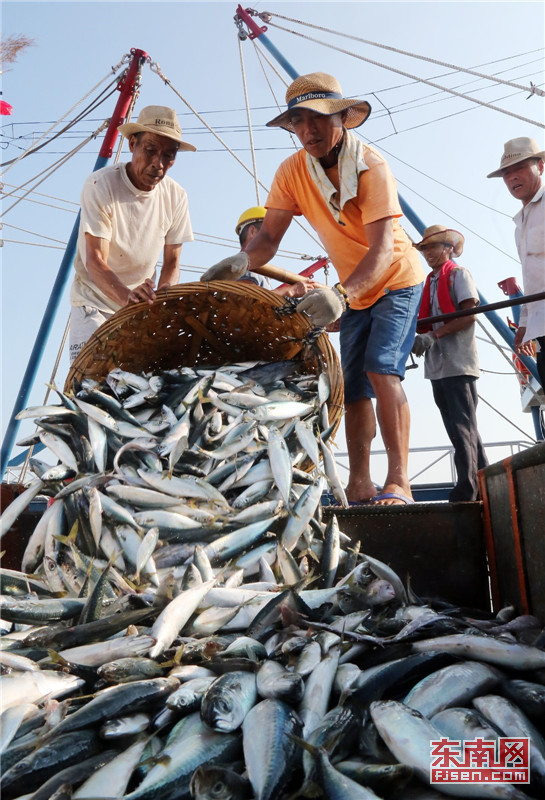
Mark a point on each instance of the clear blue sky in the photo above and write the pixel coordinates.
(440, 147)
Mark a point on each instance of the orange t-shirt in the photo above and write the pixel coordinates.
(294, 190)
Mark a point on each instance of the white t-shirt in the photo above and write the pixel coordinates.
(530, 240)
(137, 225)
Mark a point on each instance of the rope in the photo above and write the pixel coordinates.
(248, 117)
(411, 76)
(32, 147)
(50, 170)
(532, 89)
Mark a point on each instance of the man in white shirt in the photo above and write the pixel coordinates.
(521, 168)
(130, 213)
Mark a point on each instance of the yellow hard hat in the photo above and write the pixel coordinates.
(254, 214)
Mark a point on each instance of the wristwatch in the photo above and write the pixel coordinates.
(342, 291)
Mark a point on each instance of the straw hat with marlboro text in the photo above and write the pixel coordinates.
(322, 93)
(160, 120)
(438, 233)
(515, 151)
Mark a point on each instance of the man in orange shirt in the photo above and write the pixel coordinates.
(346, 191)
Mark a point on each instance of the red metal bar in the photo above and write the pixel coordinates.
(126, 89)
(308, 272)
(510, 287)
(517, 542)
(490, 544)
(254, 30)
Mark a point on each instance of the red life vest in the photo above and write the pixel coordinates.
(443, 294)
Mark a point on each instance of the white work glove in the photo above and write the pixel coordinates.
(422, 342)
(229, 269)
(323, 305)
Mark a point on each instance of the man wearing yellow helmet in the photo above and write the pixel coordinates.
(247, 227)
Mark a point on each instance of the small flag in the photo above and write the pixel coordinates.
(5, 108)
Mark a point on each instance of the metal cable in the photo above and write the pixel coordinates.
(32, 147)
(156, 68)
(511, 363)
(532, 89)
(56, 165)
(410, 75)
(248, 117)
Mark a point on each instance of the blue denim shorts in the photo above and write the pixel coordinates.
(378, 339)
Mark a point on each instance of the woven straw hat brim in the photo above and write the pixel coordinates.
(453, 238)
(358, 111)
(498, 173)
(134, 127)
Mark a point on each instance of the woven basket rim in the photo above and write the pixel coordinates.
(164, 318)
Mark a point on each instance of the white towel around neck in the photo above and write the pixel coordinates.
(351, 164)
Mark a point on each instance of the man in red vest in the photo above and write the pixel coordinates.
(450, 353)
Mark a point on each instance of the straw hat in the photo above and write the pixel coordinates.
(157, 119)
(516, 150)
(438, 233)
(321, 92)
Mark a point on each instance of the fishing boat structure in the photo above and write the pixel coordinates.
(203, 624)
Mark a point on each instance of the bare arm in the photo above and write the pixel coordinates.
(263, 247)
(380, 236)
(105, 279)
(170, 272)
(455, 325)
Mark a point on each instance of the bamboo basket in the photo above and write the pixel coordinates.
(208, 324)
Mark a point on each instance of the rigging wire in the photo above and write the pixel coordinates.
(506, 418)
(532, 89)
(260, 53)
(41, 203)
(459, 221)
(50, 170)
(511, 363)
(457, 86)
(156, 68)
(33, 233)
(91, 107)
(440, 119)
(248, 117)
(85, 96)
(440, 183)
(35, 244)
(410, 75)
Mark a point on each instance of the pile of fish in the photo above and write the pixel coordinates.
(186, 624)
